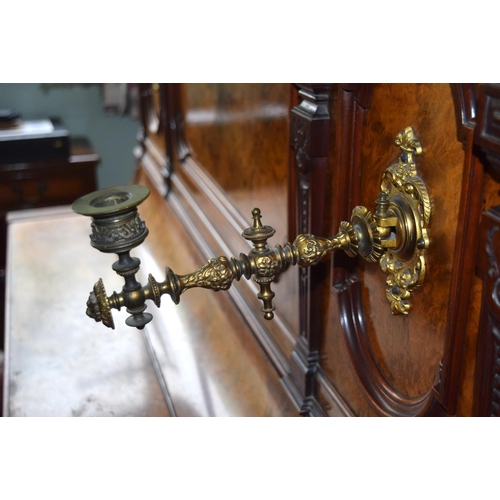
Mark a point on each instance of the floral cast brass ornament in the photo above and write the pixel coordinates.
(395, 236)
(406, 198)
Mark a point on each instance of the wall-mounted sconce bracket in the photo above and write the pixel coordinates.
(405, 201)
(395, 236)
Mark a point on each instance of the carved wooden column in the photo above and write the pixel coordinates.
(309, 129)
(487, 381)
(175, 119)
(155, 142)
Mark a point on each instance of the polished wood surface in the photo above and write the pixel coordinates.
(422, 364)
(153, 109)
(195, 359)
(211, 216)
(239, 135)
(44, 183)
(207, 353)
(57, 363)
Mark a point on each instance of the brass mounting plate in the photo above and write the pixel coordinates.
(410, 202)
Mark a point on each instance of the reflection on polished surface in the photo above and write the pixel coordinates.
(211, 116)
(197, 359)
(206, 352)
(57, 365)
(244, 128)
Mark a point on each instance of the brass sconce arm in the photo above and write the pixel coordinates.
(217, 274)
(395, 236)
(262, 262)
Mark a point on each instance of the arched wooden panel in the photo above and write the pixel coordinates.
(409, 349)
(383, 364)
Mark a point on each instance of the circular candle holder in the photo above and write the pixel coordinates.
(117, 228)
(116, 225)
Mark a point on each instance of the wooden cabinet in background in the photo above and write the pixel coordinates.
(44, 183)
(49, 182)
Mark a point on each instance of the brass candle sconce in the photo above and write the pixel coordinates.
(395, 236)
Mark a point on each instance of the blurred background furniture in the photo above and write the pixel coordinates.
(44, 182)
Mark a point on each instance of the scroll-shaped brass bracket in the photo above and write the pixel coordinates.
(395, 236)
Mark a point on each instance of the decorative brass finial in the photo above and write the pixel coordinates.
(410, 145)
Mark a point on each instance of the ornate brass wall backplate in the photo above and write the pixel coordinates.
(409, 201)
(395, 236)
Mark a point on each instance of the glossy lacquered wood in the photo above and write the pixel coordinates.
(212, 217)
(207, 353)
(195, 359)
(58, 362)
(239, 135)
(421, 364)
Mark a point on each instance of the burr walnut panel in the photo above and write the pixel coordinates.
(409, 349)
(396, 365)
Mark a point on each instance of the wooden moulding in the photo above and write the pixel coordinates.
(487, 376)
(215, 225)
(487, 380)
(309, 135)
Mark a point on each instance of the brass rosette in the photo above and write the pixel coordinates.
(367, 234)
(98, 306)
